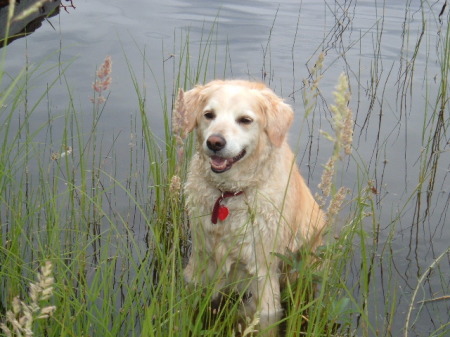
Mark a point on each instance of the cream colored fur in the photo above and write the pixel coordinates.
(275, 213)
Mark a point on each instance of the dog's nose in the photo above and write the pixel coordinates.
(216, 142)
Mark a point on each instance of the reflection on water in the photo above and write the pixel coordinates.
(22, 26)
(391, 53)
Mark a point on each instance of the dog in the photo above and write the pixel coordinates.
(246, 199)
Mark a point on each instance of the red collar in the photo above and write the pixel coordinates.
(220, 211)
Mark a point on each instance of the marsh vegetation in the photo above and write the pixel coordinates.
(105, 204)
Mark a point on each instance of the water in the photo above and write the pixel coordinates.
(279, 42)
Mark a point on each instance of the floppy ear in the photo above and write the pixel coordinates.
(186, 109)
(279, 117)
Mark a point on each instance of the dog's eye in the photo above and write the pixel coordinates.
(245, 120)
(209, 115)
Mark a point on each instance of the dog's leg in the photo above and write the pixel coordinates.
(202, 271)
(265, 302)
(201, 277)
(269, 302)
(190, 274)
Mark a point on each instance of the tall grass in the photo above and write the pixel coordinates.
(118, 272)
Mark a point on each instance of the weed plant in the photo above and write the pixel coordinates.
(119, 272)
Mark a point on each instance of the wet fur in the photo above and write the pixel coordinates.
(276, 212)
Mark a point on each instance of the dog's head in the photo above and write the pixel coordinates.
(233, 119)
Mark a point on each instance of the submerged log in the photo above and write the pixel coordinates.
(24, 26)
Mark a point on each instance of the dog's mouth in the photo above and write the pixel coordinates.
(220, 164)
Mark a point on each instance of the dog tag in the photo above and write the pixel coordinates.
(223, 212)
(219, 211)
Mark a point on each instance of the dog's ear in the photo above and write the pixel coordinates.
(186, 109)
(279, 116)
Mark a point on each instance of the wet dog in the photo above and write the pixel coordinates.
(246, 199)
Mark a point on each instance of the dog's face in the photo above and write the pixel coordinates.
(234, 119)
(229, 126)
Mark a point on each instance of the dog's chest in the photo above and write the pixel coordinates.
(226, 218)
(231, 214)
(232, 239)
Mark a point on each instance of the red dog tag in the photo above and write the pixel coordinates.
(223, 212)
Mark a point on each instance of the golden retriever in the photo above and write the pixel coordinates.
(245, 196)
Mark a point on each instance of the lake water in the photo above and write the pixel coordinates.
(393, 89)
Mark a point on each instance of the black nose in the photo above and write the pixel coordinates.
(216, 142)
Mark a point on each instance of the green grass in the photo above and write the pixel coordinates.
(118, 271)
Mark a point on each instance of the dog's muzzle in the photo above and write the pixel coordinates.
(220, 164)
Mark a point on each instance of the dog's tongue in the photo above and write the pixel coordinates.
(219, 163)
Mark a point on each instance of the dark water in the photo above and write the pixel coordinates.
(393, 93)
